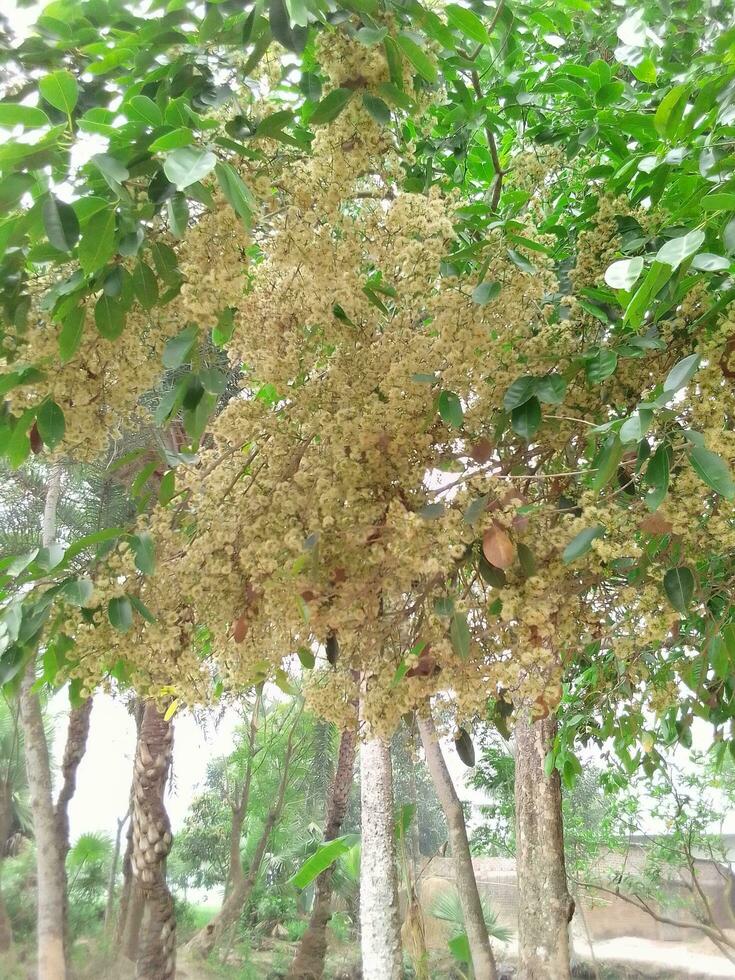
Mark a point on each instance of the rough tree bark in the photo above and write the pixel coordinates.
(545, 907)
(110, 904)
(483, 961)
(308, 964)
(50, 822)
(241, 885)
(380, 936)
(151, 845)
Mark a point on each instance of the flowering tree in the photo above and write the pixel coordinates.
(470, 270)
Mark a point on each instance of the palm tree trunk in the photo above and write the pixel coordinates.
(545, 907)
(308, 963)
(483, 961)
(127, 927)
(151, 844)
(380, 936)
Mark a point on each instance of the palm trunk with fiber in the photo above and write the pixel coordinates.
(151, 845)
(380, 936)
(545, 907)
(308, 963)
(483, 961)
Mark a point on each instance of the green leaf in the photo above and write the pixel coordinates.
(679, 587)
(645, 71)
(624, 274)
(71, 332)
(669, 113)
(707, 262)
(719, 657)
(526, 418)
(78, 591)
(178, 350)
(28, 116)
(182, 136)
(519, 392)
(97, 537)
(467, 23)
(178, 215)
(145, 109)
(713, 470)
(50, 423)
(459, 633)
(109, 317)
(526, 558)
(601, 366)
(377, 109)
(606, 462)
(450, 409)
(675, 251)
(551, 389)
(236, 192)
(60, 90)
(484, 292)
(582, 543)
(307, 658)
(98, 241)
(635, 426)
(418, 57)
(657, 477)
(718, 202)
(61, 224)
(682, 372)
(371, 35)
(145, 285)
(330, 106)
(120, 613)
(324, 856)
(145, 552)
(459, 947)
(187, 165)
(142, 610)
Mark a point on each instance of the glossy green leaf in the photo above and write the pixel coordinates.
(713, 470)
(97, 245)
(581, 543)
(187, 165)
(120, 613)
(526, 418)
(60, 89)
(330, 106)
(459, 633)
(450, 409)
(679, 587)
(51, 423)
(61, 224)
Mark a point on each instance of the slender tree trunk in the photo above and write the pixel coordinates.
(50, 876)
(110, 905)
(151, 844)
(6, 929)
(131, 900)
(380, 935)
(242, 885)
(76, 746)
(483, 961)
(545, 907)
(308, 963)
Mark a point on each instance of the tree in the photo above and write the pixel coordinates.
(494, 244)
(281, 753)
(14, 816)
(309, 959)
(483, 961)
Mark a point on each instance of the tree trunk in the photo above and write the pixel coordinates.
(207, 938)
(380, 936)
(545, 907)
(308, 963)
(126, 939)
(76, 745)
(151, 844)
(6, 929)
(110, 905)
(483, 961)
(50, 875)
